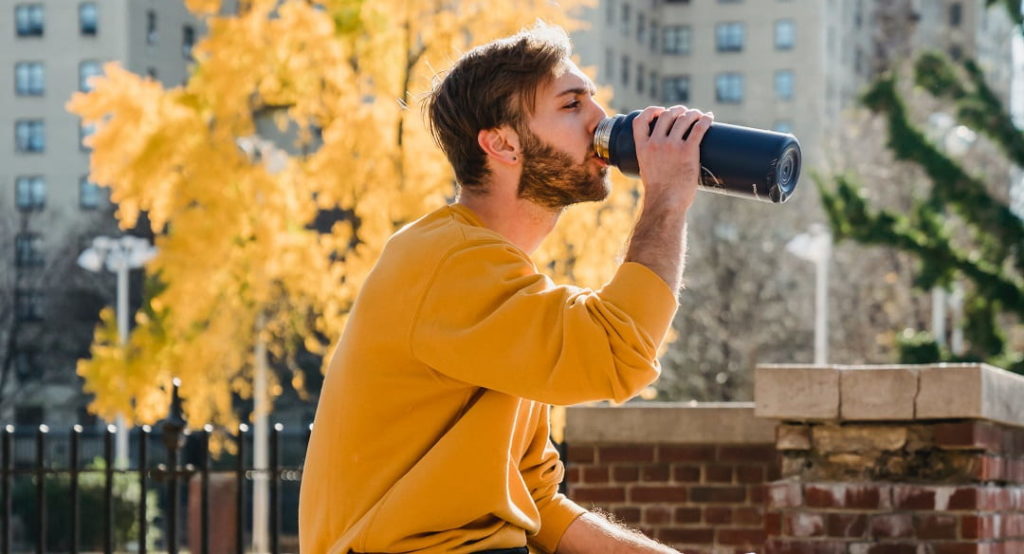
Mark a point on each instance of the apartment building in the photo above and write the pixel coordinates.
(787, 65)
(49, 210)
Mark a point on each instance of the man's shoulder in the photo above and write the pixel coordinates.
(442, 233)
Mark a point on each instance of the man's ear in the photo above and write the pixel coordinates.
(501, 144)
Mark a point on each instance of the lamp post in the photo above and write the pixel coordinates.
(118, 255)
(816, 246)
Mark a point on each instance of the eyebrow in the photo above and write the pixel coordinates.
(576, 91)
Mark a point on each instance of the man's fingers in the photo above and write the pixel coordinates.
(700, 128)
(642, 124)
(683, 123)
(664, 125)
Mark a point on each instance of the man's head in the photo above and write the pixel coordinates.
(520, 101)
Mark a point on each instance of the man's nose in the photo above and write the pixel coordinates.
(597, 114)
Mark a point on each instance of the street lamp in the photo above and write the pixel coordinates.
(118, 255)
(816, 246)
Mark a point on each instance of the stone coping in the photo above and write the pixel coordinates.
(668, 422)
(888, 393)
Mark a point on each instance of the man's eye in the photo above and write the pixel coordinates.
(573, 105)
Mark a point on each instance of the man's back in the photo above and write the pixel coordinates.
(431, 434)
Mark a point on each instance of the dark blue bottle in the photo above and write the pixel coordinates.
(738, 161)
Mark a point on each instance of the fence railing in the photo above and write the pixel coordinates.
(165, 478)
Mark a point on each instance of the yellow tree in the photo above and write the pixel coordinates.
(240, 262)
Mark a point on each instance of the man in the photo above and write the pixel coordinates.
(432, 430)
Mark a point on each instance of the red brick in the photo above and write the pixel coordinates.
(757, 494)
(717, 474)
(750, 474)
(885, 548)
(657, 472)
(718, 494)
(935, 526)
(572, 475)
(599, 494)
(804, 524)
(989, 468)
(657, 515)
(790, 546)
(686, 474)
(685, 453)
(581, 454)
(867, 497)
(629, 514)
(785, 494)
(687, 515)
(971, 435)
(686, 535)
(891, 526)
(1013, 525)
(976, 527)
(657, 494)
(717, 515)
(627, 474)
(748, 516)
(773, 523)
(964, 498)
(960, 548)
(631, 453)
(595, 474)
(846, 525)
(747, 453)
(746, 537)
(912, 497)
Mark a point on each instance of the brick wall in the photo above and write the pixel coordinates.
(942, 488)
(699, 498)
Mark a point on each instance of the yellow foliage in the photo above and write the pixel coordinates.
(238, 258)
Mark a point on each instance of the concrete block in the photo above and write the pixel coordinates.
(666, 422)
(877, 393)
(795, 392)
(950, 391)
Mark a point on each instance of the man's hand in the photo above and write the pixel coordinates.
(670, 172)
(591, 533)
(669, 164)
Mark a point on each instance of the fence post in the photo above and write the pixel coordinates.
(204, 500)
(275, 489)
(41, 488)
(240, 491)
(108, 489)
(143, 485)
(5, 542)
(76, 435)
(173, 427)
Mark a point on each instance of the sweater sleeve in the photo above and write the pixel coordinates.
(489, 319)
(543, 471)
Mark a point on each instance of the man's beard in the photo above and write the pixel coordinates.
(551, 178)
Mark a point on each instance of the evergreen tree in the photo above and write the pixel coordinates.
(960, 230)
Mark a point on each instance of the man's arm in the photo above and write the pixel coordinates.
(670, 171)
(592, 533)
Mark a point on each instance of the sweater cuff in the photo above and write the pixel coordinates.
(555, 518)
(641, 293)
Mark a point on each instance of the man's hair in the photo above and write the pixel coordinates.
(492, 85)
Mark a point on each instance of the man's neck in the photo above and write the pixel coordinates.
(523, 223)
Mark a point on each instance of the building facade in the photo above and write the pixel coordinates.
(49, 209)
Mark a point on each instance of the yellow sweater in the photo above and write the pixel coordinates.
(431, 434)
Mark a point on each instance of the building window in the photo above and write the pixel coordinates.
(676, 90)
(655, 83)
(609, 12)
(90, 196)
(29, 136)
(151, 34)
(85, 130)
(641, 74)
(28, 416)
(28, 20)
(87, 70)
(627, 12)
(729, 37)
(784, 84)
(30, 193)
(88, 22)
(188, 40)
(29, 79)
(785, 34)
(783, 126)
(677, 39)
(26, 366)
(28, 305)
(654, 37)
(625, 70)
(151, 73)
(28, 250)
(641, 28)
(729, 88)
(956, 52)
(956, 14)
(609, 64)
